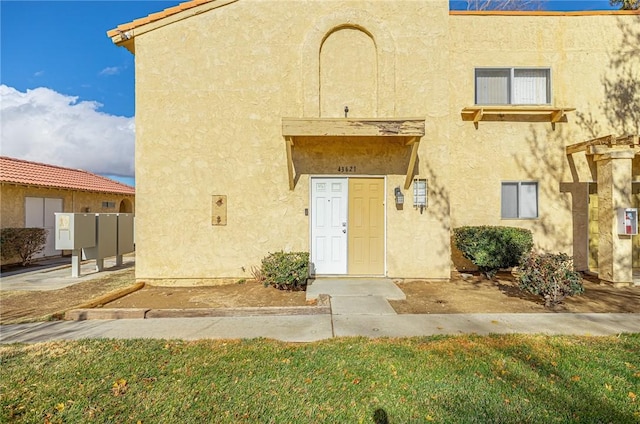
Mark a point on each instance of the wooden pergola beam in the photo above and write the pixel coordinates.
(579, 147)
(628, 140)
(607, 140)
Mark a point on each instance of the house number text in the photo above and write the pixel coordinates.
(347, 169)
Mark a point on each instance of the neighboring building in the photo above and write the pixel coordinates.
(32, 192)
(297, 125)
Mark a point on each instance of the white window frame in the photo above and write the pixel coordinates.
(511, 99)
(520, 206)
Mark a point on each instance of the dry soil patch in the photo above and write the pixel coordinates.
(459, 295)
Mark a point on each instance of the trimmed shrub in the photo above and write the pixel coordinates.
(493, 248)
(286, 271)
(551, 276)
(22, 242)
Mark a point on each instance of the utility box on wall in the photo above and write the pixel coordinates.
(628, 221)
(75, 230)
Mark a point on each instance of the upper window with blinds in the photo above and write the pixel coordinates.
(513, 86)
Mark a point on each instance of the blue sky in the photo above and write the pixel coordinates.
(68, 92)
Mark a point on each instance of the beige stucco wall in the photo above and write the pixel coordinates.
(13, 204)
(211, 91)
(583, 53)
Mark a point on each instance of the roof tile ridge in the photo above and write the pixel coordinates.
(48, 165)
(82, 171)
(109, 180)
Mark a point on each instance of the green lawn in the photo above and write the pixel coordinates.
(465, 379)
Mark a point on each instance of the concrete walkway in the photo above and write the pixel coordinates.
(358, 307)
(308, 328)
(55, 273)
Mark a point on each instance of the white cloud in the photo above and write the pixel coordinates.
(110, 70)
(38, 74)
(43, 125)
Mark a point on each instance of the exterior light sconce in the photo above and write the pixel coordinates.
(346, 111)
(399, 196)
(419, 194)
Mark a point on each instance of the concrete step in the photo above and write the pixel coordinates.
(335, 287)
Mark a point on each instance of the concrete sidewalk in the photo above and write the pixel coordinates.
(308, 328)
(357, 307)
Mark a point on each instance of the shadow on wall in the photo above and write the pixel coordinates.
(439, 207)
(359, 155)
(621, 106)
(545, 159)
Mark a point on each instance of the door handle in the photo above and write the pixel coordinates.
(344, 231)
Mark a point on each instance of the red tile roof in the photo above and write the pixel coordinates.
(157, 16)
(153, 17)
(18, 171)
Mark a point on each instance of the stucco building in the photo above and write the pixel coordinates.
(31, 192)
(300, 125)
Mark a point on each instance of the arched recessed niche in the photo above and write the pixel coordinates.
(370, 38)
(348, 74)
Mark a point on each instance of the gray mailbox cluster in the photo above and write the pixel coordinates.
(94, 236)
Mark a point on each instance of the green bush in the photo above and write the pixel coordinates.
(492, 248)
(22, 242)
(286, 271)
(551, 276)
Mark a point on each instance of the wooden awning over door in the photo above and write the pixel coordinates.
(411, 129)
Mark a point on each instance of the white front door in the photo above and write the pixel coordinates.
(329, 199)
(39, 213)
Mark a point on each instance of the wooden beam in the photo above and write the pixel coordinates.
(628, 140)
(517, 109)
(477, 117)
(578, 147)
(556, 115)
(606, 152)
(515, 114)
(606, 139)
(412, 163)
(290, 169)
(365, 127)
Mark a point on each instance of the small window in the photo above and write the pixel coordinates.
(108, 205)
(519, 200)
(513, 86)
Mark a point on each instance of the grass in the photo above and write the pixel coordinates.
(462, 379)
